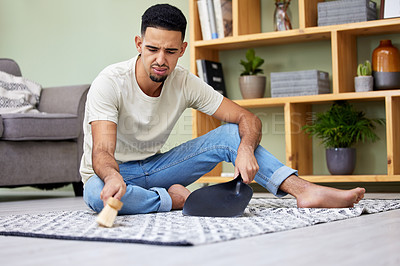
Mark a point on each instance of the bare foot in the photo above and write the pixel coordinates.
(310, 195)
(178, 194)
(327, 197)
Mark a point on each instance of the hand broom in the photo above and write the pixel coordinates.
(107, 216)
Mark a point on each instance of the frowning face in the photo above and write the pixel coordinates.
(160, 50)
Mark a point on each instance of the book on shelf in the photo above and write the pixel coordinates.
(215, 18)
(204, 20)
(218, 18)
(213, 23)
(211, 72)
(390, 9)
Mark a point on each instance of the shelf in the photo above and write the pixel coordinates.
(374, 27)
(319, 178)
(322, 98)
(384, 26)
(263, 39)
(344, 48)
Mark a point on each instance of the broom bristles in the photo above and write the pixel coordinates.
(107, 216)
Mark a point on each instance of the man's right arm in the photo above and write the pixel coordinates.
(104, 135)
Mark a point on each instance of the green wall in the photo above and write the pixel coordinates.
(65, 42)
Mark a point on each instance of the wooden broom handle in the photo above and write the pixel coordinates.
(114, 203)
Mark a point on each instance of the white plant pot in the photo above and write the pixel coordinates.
(364, 83)
(252, 86)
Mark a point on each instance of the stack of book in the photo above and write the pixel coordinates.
(215, 18)
(346, 11)
(298, 83)
(211, 72)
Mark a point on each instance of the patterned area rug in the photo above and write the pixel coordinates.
(172, 228)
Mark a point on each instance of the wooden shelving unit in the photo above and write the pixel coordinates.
(247, 33)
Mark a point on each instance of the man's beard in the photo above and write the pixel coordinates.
(158, 79)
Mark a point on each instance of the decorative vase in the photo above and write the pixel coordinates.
(341, 161)
(281, 16)
(386, 66)
(364, 83)
(252, 86)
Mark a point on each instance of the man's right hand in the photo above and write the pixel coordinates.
(114, 186)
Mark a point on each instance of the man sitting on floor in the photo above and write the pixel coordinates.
(131, 109)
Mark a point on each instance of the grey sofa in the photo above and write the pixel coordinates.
(43, 149)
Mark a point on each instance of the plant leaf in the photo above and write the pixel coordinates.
(250, 54)
(257, 62)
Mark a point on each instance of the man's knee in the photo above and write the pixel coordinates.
(229, 133)
(230, 128)
(91, 193)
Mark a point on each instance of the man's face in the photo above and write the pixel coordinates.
(160, 50)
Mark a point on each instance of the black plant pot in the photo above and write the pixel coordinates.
(341, 161)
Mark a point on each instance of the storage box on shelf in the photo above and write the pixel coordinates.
(346, 11)
(247, 33)
(299, 83)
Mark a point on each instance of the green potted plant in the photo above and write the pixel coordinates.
(364, 80)
(251, 84)
(339, 129)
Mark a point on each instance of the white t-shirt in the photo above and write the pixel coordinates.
(143, 122)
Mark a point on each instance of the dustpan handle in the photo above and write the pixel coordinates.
(238, 184)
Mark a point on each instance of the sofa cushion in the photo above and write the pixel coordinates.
(18, 94)
(40, 126)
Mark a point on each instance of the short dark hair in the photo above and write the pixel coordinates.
(164, 16)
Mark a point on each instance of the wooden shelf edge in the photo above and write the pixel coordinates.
(381, 26)
(265, 38)
(280, 101)
(351, 178)
(319, 178)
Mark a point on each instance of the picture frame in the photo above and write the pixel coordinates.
(390, 9)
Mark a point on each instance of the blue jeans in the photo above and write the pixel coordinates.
(148, 180)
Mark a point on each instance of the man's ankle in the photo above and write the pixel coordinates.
(295, 186)
(178, 194)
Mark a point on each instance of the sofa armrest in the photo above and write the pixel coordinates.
(68, 99)
(72, 100)
(1, 126)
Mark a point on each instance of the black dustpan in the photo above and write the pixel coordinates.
(222, 200)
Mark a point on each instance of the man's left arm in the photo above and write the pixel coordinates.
(250, 134)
